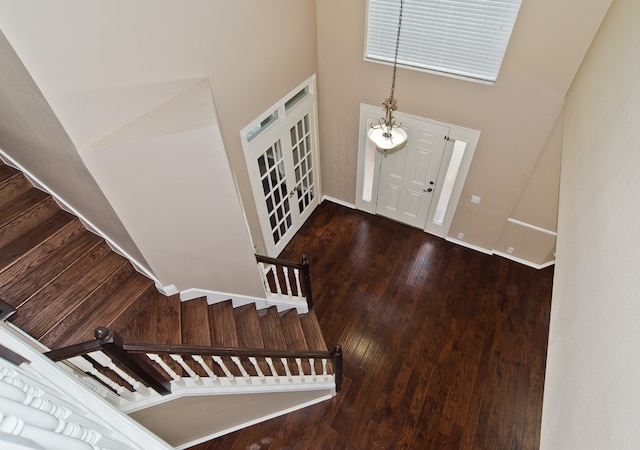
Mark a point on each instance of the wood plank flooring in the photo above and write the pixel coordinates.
(444, 347)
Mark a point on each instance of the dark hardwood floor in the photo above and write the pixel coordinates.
(444, 347)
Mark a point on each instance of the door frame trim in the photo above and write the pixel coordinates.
(470, 136)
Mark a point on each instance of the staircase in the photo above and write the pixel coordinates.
(65, 282)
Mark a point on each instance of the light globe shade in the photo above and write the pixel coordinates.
(386, 141)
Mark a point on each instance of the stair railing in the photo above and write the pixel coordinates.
(129, 372)
(286, 280)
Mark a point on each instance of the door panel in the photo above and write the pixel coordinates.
(284, 175)
(276, 193)
(408, 175)
(304, 165)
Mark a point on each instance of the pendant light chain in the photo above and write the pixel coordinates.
(395, 58)
(387, 134)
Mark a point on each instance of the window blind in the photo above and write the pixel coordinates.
(467, 38)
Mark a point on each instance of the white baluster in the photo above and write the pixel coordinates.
(30, 415)
(285, 270)
(313, 367)
(324, 368)
(265, 270)
(107, 362)
(274, 271)
(237, 362)
(255, 366)
(11, 377)
(276, 280)
(207, 369)
(271, 367)
(286, 368)
(76, 431)
(297, 276)
(300, 371)
(87, 367)
(185, 366)
(165, 367)
(224, 368)
(46, 439)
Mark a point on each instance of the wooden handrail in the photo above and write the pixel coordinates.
(112, 344)
(132, 356)
(224, 351)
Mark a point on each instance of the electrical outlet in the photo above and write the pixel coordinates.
(475, 199)
(510, 250)
(460, 235)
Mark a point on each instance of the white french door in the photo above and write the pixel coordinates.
(408, 175)
(281, 154)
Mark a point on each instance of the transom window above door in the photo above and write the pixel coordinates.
(460, 38)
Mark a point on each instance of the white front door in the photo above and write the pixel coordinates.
(408, 175)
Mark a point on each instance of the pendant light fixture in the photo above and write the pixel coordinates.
(387, 134)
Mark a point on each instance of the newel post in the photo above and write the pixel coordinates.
(337, 366)
(112, 344)
(306, 280)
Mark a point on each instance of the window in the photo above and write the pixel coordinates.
(465, 38)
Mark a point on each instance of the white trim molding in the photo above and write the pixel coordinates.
(533, 227)
(281, 304)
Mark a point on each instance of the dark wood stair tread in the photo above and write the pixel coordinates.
(22, 203)
(29, 219)
(152, 319)
(6, 171)
(248, 326)
(312, 332)
(24, 244)
(195, 322)
(31, 274)
(66, 292)
(101, 309)
(272, 334)
(33, 259)
(292, 330)
(222, 324)
(13, 186)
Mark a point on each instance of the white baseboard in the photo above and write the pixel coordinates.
(339, 202)
(501, 254)
(471, 246)
(282, 304)
(524, 261)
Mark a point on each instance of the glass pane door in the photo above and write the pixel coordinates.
(276, 194)
(303, 163)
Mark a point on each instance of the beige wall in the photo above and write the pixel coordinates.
(592, 387)
(515, 116)
(32, 135)
(194, 418)
(115, 62)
